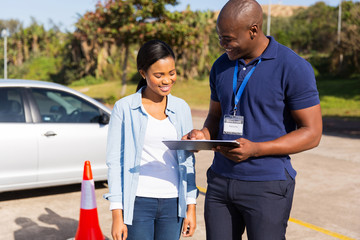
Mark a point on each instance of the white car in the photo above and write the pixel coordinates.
(47, 132)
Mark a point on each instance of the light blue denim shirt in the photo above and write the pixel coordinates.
(124, 149)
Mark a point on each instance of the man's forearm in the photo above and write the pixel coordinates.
(297, 141)
(307, 135)
(211, 127)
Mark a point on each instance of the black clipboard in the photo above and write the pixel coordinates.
(194, 145)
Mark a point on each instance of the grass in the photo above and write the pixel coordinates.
(195, 93)
(338, 97)
(105, 90)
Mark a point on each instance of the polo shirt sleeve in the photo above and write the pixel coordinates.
(192, 191)
(301, 91)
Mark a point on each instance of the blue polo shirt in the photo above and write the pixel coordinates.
(281, 82)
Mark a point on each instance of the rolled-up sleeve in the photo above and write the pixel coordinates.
(192, 191)
(114, 160)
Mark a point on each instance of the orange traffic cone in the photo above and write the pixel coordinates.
(88, 228)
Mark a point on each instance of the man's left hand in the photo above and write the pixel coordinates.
(244, 151)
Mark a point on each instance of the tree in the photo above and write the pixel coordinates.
(121, 22)
(349, 47)
(314, 29)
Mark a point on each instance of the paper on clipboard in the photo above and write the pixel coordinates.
(199, 144)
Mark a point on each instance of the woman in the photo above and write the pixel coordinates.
(152, 189)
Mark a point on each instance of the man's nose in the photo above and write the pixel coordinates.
(222, 42)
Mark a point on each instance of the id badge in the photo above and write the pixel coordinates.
(233, 125)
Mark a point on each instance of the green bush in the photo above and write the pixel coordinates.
(320, 63)
(39, 68)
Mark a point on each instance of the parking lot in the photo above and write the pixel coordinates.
(326, 202)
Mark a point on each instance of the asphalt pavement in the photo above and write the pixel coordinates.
(326, 202)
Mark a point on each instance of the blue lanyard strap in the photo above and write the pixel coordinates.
(243, 84)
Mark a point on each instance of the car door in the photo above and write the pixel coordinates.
(70, 134)
(18, 141)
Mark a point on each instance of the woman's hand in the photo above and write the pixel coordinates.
(189, 224)
(119, 229)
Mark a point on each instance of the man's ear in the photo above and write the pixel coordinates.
(253, 31)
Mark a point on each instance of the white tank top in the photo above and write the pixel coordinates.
(159, 173)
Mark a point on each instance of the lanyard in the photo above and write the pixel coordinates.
(243, 84)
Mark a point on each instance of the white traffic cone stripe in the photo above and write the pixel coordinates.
(88, 199)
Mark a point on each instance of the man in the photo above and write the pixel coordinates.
(264, 96)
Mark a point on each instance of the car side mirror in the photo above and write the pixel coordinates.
(104, 119)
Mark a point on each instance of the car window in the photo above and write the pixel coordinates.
(11, 105)
(62, 107)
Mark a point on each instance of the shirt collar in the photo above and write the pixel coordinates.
(136, 101)
(269, 53)
(271, 50)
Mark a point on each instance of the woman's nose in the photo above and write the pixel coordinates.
(167, 80)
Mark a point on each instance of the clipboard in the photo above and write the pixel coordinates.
(194, 145)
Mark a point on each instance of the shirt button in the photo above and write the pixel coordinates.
(244, 68)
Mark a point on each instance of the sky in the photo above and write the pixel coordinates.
(64, 13)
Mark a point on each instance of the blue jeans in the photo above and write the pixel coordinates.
(155, 219)
(263, 208)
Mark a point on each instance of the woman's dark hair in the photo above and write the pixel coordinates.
(149, 53)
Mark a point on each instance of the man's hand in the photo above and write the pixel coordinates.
(244, 151)
(194, 135)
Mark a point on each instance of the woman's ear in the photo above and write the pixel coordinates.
(142, 73)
